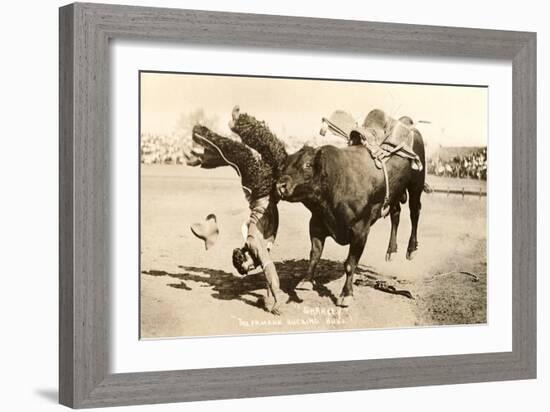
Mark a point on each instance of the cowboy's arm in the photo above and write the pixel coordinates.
(258, 249)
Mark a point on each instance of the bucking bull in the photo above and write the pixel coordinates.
(346, 191)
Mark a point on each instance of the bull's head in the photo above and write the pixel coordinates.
(206, 149)
(296, 181)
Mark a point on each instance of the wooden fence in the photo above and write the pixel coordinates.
(480, 192)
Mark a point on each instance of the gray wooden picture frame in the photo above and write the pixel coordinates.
(85, 32)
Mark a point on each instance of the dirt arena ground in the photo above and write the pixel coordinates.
(188, 291)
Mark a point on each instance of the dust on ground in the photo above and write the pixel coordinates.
(188, 291)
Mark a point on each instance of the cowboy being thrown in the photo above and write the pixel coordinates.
(258, 177)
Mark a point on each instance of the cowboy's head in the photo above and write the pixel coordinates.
(242, 260)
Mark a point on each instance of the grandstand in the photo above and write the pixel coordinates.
(459, 161)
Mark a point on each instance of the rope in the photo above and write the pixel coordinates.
(384, 286)
(475, 278)
(233, 165)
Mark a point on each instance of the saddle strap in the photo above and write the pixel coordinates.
(406, 152)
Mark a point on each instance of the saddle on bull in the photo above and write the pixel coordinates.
(378, 131)
(383, 136)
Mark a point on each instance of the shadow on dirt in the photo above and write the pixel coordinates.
(227, 286)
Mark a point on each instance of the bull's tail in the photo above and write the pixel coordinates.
(419, 177)
(418, 147)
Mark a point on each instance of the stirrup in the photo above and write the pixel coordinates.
(416, 164)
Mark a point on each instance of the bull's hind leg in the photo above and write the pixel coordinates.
(357, 245)
(414, 206)
(317, 234)
(395, 213)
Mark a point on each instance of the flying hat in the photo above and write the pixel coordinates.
(207, 231)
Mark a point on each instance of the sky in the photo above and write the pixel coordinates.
(295, 107)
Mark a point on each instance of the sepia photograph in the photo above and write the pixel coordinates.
(292, 205)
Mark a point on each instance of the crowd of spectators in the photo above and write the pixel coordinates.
(472, 165)
(167, 149)
(161, 149)
(449, 162)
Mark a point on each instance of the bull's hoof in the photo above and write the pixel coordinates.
(305, 284)
(344, 301)
(411, 249)
(390, 252)
(411, 254)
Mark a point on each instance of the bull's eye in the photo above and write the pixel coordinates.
(307, 165)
